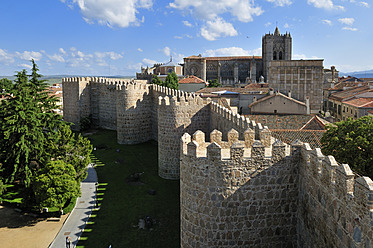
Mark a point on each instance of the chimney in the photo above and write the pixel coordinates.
(333, 72)
(289, 94)
(332, 84)
(308, 105)
(254, 99)
(271, 91)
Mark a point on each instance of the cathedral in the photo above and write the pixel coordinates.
(303, 78)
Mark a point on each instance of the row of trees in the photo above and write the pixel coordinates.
(38, 151)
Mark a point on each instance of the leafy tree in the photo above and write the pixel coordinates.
(351, 142)
(172, 81)
(55, 184)
(5, 85)
(32, 134)
(214, 83)
(156, 80)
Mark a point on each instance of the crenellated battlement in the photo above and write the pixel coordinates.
(102, 80)
(183, 100)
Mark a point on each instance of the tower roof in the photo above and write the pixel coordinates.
(277, 32)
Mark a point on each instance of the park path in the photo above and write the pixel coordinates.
(78, 218)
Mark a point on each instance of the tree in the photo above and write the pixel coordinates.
(214, 83)
(32, 134)
(55, 184)
(351, 142)
(5, 85)
(172, 81)
(156, 80)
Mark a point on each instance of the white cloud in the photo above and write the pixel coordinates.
(166, 51)
(328, 22)
(364, 4)
(111, 55)
(188, 24)
(28, 55)
(5, 57)
(56, 58)
(111, 12)
(280, 2)
(347, 21)
(303, 56)
(25, 66)
(325, 4)
(349, 28)
(243, 10)
(217, 28)
(232, 51)
(62, 51)
(268, 24)
(286, 25)
(149, 61)
(140, 50)
(178, 57)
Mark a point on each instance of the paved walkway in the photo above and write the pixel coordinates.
(75, 223)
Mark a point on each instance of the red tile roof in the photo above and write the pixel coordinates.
(361, 102)
(341, 95)
(191, 80)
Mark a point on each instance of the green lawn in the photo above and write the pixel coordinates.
(123, 204)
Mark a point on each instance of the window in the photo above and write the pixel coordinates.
(280, 55)
(274, 55)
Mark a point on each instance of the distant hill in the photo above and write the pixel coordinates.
(358, 74)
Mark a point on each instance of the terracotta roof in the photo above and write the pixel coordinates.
(191, 80)
(311, 137)
(315, 123)
(341, 95)
(225, 57)
(361, 102)
(257, 86)
(274, 95)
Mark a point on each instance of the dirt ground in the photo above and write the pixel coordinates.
(25, 231)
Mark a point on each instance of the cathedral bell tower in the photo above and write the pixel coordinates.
(275, 47)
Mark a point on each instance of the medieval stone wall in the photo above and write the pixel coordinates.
(237, 194)
(177, 115)
(134, 113)
(335, 206)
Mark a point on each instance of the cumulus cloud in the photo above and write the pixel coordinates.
(217, 28)
(188, 24)
(111, 55)
(25, 66)
(111, 12)
(325, 4)
(28, 55)
(231, 51)
(328, 22)
(364, 4)
(139, 49)
(6, 57)
(349, 28)
(347, 21)
(56, 58)
(243, 10)
(149, 61)
(280, 2)
(166, 51)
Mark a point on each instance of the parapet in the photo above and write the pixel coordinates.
(232, 149)
(183, 100)
(338, 178)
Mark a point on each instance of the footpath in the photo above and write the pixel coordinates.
(76, 221)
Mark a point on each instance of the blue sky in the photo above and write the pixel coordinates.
(116, 37)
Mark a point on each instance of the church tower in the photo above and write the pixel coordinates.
(275, 47)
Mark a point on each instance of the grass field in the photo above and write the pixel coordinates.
(122, 204)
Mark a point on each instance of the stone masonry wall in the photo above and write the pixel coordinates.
(134, 119)
(177, 115)
(233, 195)
(335, 207)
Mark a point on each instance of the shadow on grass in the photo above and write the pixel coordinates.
(123, 204)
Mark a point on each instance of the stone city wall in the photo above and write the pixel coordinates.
(177, 115)
(237, 193)
(335, 206)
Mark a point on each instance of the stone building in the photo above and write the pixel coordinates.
(239, 187)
